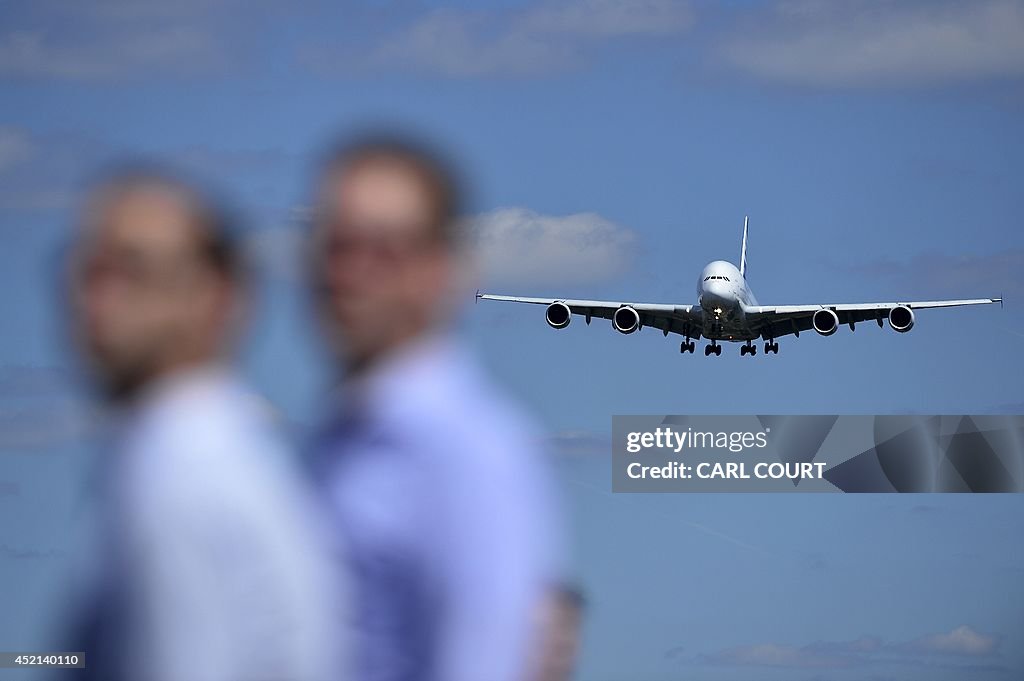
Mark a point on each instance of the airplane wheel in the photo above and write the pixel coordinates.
(707, 350)
(753, 350)
(718, 350)
(692, 346)
(767, 348)
(743, 350)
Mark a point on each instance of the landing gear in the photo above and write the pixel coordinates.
(687, 346)
(713, 348)
(771, 346)
(749, 348)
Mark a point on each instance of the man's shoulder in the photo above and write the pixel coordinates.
(473, 420)
(205, 429)
(441, 407)
(212, 404)
(464, 399)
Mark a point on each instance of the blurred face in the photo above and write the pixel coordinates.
(383, 275)
(144, 300)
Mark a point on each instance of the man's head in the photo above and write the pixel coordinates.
(154, 279)
(384, 246)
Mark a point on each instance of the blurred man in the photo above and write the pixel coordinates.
(211, 567)
(435, 478)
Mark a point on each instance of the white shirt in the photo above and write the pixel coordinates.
(226, 575)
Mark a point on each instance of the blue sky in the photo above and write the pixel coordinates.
(614, 149)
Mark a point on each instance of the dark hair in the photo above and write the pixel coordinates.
(218, 244)
(570, 595)
(434, 171)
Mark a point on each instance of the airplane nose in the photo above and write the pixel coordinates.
(710, 299)
(715, 295)
(717, 289)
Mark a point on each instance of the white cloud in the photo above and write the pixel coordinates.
(467, 44)
(519, 246)
(864, 644)
(513, 246)
(881, 42)
(118, 39)
(113, 40)
(46, 172)
(537, 39)
(772, 655)
(961, 641)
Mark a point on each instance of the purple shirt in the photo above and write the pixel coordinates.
(439, 490)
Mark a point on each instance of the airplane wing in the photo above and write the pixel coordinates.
(775, 321)
(681, 319)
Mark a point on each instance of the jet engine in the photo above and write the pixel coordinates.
(626, 320)
(901, 318)
(558, 315)
(825, 322)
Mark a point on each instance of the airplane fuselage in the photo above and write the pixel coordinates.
(722, 294)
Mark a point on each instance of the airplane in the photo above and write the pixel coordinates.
(726, 310)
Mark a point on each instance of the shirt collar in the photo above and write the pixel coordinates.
(408, 376)
(172, 389)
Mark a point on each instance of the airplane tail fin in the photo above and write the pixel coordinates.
(743, 250)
